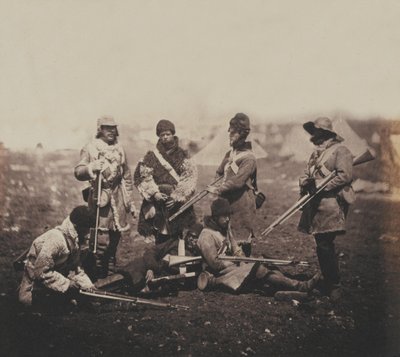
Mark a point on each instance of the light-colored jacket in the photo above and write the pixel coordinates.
(211, 243)
(116, 183)
(327, 212)
(53, 262)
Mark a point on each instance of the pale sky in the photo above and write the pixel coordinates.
(65, 63)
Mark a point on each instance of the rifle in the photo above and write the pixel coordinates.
(154, 283)
(182, 259)
(196, 198)
(264, 260)
(132, 299)
(96, 197)
(365, 157)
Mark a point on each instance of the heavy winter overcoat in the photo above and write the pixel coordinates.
(53, 262)
(117, 183)
(213, 242)
(152, 177)
(327, 212)
(237, 189)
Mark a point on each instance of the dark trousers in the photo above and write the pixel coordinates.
(106, 251)
(327, 258)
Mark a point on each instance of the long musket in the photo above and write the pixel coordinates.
(264, 260)
(127, 298)
(196, 198)
(96, 232)
(365, 157)
(153, 283)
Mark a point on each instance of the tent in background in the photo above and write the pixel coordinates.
(213, 153)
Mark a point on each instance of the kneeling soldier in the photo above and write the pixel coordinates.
(52, 266)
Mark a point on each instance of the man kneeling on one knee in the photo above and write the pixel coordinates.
(53, 268)
(216, 239)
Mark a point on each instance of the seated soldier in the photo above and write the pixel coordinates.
(136, 275)
(216, 238)
(52, 267)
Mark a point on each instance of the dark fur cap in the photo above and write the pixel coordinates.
(220, 207)
(164, 125)
(83, 217)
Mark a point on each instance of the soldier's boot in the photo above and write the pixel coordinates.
(205, 281)
(284, 283)
(309, 285)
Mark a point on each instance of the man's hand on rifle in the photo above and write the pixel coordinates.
(133, 210)
(149, 275)
(307, 185)
(213, 189)
(170, 202)
(96, 165)
(160, 197)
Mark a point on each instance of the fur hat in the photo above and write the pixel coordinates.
(105, 120)
(82, 216)
(321, 124)
(165, 125)
(240, 123)
(220, 207)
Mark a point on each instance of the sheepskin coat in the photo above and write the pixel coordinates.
(151, 177)
(53, 262)
(117, 183)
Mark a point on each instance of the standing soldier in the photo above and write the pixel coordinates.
(325, 215)
(239, 171)
(105, 158)
(166, 179)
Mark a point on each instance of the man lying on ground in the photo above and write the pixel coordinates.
(216, 238)
(136, 275)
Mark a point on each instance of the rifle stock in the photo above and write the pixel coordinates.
(153, 283)
(264, 260)
(368, 155)
(196, 198)
(182, 259)
(127, 298)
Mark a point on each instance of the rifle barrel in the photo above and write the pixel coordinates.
(264, 260)
(127, 298)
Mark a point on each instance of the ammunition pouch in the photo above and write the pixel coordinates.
(260, 199)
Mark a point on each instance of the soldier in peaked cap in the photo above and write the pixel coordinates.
(325, 216)
(166, 178)
(239, 170)
(105, 158)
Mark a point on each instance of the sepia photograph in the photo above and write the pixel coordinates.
(199, 178)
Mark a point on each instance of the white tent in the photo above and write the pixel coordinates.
(213, 153)
(298, 147)
(395, 139)
(375, 138)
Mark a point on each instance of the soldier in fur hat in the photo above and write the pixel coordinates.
(325, 216)
(166, 178)
(52, 263)
(216, 238)
(239, 169)
(105, 158)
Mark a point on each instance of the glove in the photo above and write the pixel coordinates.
(308, 186)
(133, 210)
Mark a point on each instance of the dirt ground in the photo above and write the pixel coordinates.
(366, 322)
